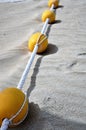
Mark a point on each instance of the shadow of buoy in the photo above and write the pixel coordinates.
(51, 49)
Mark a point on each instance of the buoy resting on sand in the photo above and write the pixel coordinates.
(13, 105)
(55, 2)
(48, 14)
(40, 39)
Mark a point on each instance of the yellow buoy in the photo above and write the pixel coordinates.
(48, 14)
(11, 100)
(55, 2)
(33, 40)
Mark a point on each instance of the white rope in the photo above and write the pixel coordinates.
(6, 122)
(45, 26)
(52, 7)
(26, 71)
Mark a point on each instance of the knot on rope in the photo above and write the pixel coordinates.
(39, 39)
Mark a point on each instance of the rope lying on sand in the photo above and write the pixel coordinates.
(49, 18)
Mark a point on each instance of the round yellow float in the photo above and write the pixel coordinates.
(55, 2)
(11, 100)
(48, 14)
(33, 40)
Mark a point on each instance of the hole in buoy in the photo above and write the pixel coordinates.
(3, 118)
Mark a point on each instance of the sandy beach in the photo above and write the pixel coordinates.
(56, 83)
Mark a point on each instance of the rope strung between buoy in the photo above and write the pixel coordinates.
(45, 26)
(6, 122)
(27, 69)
